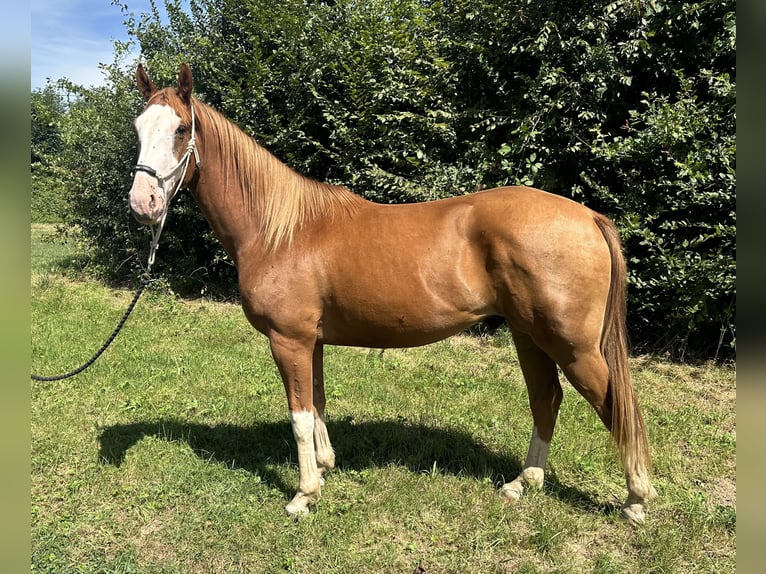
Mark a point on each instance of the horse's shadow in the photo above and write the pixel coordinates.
(264, 447)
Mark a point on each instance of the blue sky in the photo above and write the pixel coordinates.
(70, 38)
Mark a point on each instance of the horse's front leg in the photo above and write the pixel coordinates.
(324, 451)
(294, 359)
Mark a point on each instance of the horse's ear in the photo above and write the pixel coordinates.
(144, 83)
(185, 83)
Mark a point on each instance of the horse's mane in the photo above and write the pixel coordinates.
(281, 199)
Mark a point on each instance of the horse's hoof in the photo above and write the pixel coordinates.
(511, 492)
(296, 512)
(299, 505)
(633, 513)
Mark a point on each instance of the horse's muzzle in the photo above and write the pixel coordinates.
(144, 219)
(146, 205)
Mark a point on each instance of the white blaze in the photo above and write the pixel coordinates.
(156, 129)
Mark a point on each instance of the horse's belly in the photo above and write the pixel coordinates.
(382, 335)
(399, 317)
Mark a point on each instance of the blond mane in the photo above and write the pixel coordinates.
(281, 199)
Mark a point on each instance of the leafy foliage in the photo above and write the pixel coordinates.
(626, 106)
(46, 144)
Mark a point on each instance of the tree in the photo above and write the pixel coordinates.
(628, 107)
(47, 112)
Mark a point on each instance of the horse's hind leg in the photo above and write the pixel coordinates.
(541, 377)
(325, 455)
(589, 374)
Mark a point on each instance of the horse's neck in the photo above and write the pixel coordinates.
(222, 202)
(261, 203)
(239, 217)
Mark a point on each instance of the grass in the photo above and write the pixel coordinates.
(173, 453)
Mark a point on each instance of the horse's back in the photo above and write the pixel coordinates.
(417, 273)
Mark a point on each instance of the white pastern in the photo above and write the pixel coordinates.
(324, 451)
(640, 491)
(309, 488)
(533, 474)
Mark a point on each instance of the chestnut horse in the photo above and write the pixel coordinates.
(318, 265)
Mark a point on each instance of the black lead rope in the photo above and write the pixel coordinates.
(145, 280)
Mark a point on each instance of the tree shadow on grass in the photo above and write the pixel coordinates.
(262, 448)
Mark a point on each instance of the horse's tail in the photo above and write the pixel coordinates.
(628, 428)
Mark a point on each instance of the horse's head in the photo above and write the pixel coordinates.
(166, 139)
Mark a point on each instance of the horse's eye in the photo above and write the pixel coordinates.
(181, 131)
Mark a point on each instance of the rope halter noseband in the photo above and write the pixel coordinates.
(182, 165)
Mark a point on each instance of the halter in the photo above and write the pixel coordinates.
(191, 148)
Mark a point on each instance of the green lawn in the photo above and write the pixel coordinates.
(173, 453)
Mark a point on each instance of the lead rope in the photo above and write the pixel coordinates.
(145, 280)
(156, 231)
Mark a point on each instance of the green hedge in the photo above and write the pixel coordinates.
(628, 107)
